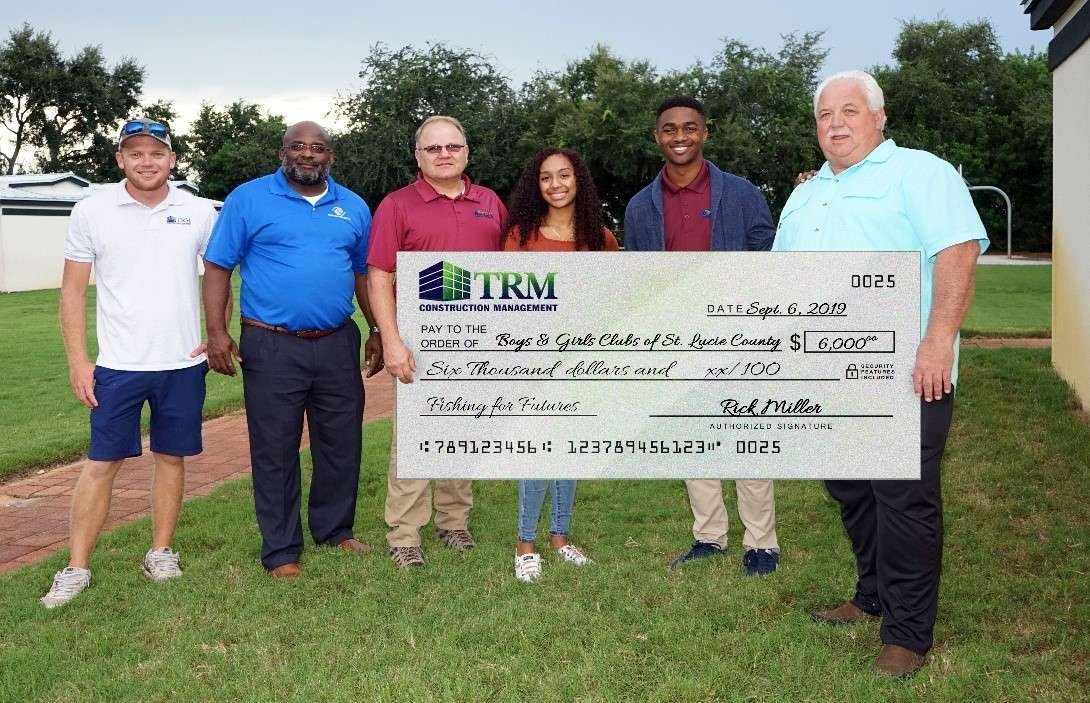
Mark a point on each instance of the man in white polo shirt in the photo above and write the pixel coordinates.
(143, 238)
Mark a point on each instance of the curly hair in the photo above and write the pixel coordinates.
(526, 208)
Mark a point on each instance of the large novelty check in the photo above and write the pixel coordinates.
(659, 365)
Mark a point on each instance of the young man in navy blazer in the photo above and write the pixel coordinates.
(693, 206)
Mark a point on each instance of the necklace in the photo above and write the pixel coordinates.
(560, 234)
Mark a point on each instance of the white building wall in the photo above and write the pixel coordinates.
(32, 251)
(1071, 219)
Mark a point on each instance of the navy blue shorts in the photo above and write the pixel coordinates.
(176, 398)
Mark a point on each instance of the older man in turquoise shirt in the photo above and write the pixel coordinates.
(872, 195)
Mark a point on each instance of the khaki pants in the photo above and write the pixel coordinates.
(408, 501)
(756, 508)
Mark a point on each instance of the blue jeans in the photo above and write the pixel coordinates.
(531, 498)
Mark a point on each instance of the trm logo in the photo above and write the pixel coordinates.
(445, 281)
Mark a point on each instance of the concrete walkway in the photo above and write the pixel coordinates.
(34, 511)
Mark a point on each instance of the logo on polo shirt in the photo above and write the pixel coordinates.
(339, 213)
(484, 213)
(174, 220)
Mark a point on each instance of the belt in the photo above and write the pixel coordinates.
(305, 334)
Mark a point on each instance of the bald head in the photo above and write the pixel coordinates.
(306, 157)
(308, 129)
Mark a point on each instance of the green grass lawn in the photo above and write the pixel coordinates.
(1011, 301)
(43, 422)
(1012, 624)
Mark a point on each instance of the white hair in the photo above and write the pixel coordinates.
(876, 100)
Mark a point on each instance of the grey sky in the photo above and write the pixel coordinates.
(295, 57)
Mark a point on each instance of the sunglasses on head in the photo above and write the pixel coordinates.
(155, 129)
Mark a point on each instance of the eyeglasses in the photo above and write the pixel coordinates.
(155, 129)
(437, 149)
(314, 148)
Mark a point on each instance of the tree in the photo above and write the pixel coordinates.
(233, 146)
(760, 111)
(758, 104)
(87, 98)
(603, 107)
(403, 87)
(1020, 142)
(954, 93)
(97, 163)
(29, 64)
(58, 104)
(951, 91)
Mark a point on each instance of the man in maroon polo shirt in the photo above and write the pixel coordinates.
(441, 211)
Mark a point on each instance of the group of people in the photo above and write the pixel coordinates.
(305, 246)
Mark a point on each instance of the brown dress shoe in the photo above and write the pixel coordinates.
(286, 571)
(847, 614)
(895, 660)
(354, 545)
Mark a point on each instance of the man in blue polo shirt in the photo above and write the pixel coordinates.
(300, 241)
(872, 195)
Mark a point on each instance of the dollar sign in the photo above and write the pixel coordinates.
(795, 342)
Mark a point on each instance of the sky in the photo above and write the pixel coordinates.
(295, 58)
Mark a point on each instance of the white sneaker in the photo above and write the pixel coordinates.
(67, 584)
(528, 567)
(162, 564)
(571, 554)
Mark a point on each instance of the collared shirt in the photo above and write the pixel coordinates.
(145, 262)
(687, 213)
(298, 261)
(895, 199)
(418, 218)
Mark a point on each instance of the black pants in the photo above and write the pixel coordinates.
(896, 532)
(283, 377)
